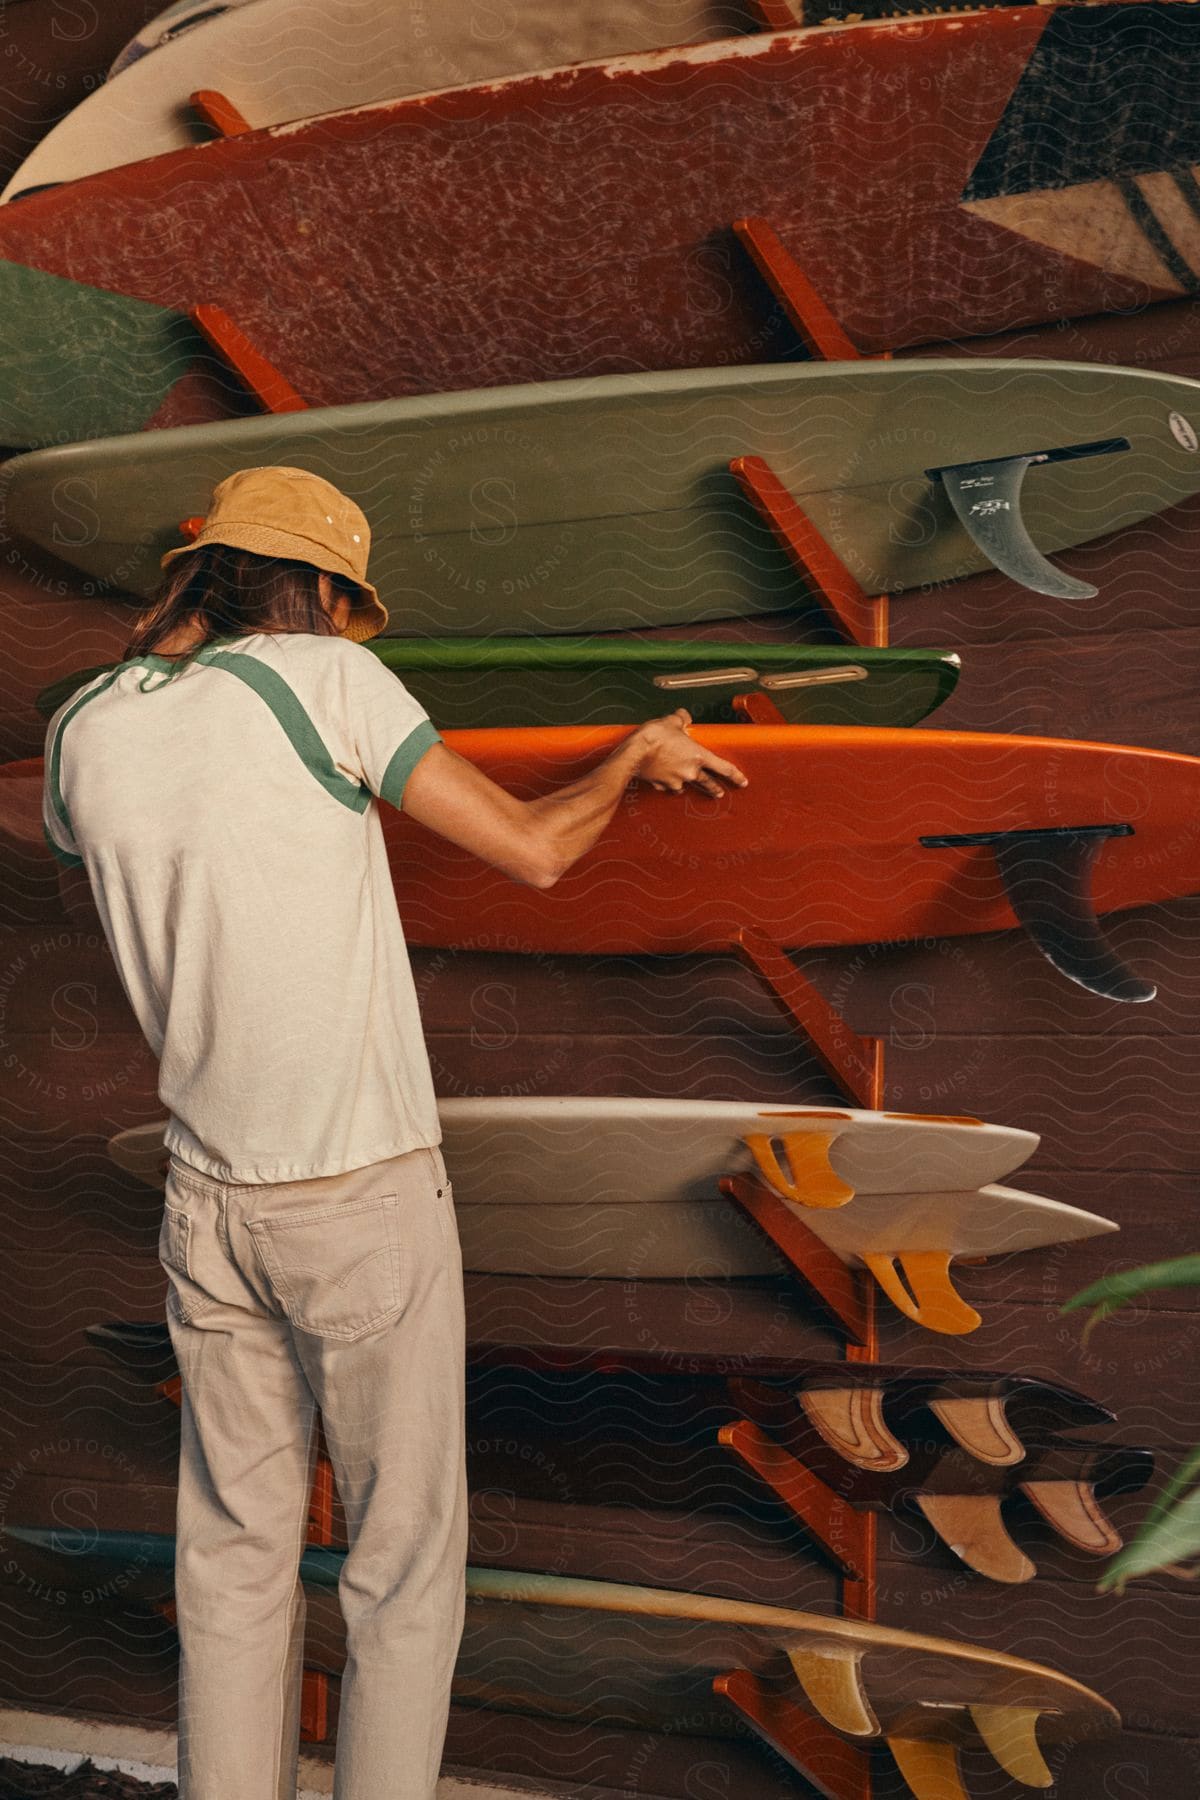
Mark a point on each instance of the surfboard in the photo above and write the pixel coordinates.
(607, 504)
(847, 836)
(960, 1497)
(80, 362)
(577, 222)
(844, 835)
(570, 1648)
(525, 1151)
(607, 680)
(873, 1416)
(277, 60)
(169, 24)
(627, 1189)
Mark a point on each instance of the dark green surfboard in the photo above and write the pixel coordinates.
(465, 682)
(79, 362)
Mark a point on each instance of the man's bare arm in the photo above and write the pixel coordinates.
(536, 841)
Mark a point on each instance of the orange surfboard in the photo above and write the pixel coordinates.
(840, 838)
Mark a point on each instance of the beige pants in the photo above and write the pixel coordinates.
(342, 1293)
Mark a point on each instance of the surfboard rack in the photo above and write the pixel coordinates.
(960, 1497)
(986, 497)
(851, 612)
(829, 1285)
(855, 1063)
(219, 113)
(831, 1521)
(819, 331)
(273, 391)
(837, 1769)
(1046, 874)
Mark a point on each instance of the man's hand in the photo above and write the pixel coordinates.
(537, 841)
(670, 758)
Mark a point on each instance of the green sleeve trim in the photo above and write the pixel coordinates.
(305, 739)
(404, 760)
(64, 856)
(58, 804)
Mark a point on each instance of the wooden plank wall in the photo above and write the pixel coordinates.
(976, 1025)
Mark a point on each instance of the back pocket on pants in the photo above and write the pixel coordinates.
(335, 1268)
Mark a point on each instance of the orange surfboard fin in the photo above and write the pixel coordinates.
(811, 1180)
(929, 1298)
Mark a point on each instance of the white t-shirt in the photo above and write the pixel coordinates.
(224, 812)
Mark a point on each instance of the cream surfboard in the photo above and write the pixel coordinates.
(624, 1189)
(563, 1150)
(276, 60)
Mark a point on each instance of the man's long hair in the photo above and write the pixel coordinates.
(231, 593)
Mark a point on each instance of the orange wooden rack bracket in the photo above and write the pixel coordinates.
(218, 112)
(833, 1766)
(777, 15)
(273, 391)
(818, 329)
(854, 1063)
(860, 618)
(833, 1288)
(830, 1520)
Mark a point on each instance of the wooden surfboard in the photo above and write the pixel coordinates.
(577, 222)
(277, 60)
(609, 680)
(569, 1648)
(578, 506)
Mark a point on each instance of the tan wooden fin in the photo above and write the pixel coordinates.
(933, 1301)
(832, 1681)
(851, 1422)
(1073, 1510)
(812, 1181)
(1010, 1733)
(971, 1526)
(929, 1766)
(980, 1424)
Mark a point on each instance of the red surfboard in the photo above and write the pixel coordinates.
(577, 222)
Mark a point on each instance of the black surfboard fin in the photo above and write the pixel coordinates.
(986, 496)
(1047, 878)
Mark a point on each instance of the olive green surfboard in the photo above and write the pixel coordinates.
(576, 506)
(614, 681)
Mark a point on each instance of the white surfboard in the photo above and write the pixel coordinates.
(628, 1189)
(166, 26)
(564, 1150)
(709, 1240)
(277, 60)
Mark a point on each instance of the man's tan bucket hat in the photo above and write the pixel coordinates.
(292, 513)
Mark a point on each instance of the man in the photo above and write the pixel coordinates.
(219, 790)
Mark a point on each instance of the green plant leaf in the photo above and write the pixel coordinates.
(1166, 1541)
(1111, 1292)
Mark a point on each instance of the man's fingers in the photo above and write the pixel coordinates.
(728, 769)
